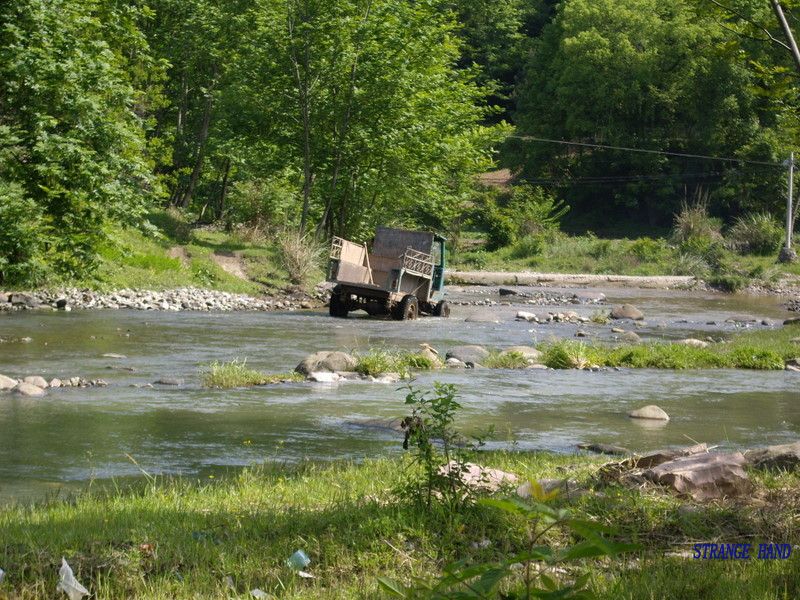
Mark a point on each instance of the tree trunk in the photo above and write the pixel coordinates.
(201, 152)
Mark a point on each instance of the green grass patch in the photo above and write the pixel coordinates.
(179, 538)
(236, 373)
(378, 361)
(762, 350)
(505, 360)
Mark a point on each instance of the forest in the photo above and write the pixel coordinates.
(327, 117)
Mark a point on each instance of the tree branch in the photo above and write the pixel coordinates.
(736, 13)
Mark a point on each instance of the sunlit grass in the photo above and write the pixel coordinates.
(236, 373)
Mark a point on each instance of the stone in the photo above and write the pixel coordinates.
(787, 255)
(627, 311)
(783, 456)
(169, 381)
(651, 411)
(429, 352)
(605, 449)
(617, 330)
(693, 342)
(326, 361)
(477, 477)
(36, 380)
(507, 292)
(454, 363)
(61, 304)
(703, 476)
(528, 353)
(631, 337)
(387, 378)
(581, 334)
(483, 316)
(468, 354)
(792, 321)
(28, 389)
(525, 316)
(323, 377)
(23, 300)
(74, 381)
(661, 456)
(55, 382)
(113, 355)
(6, 383)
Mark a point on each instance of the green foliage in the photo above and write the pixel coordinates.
(693, 227)
(505, 360)
(379, 361)
(601, 317)
(756, 233)
(566, 354)
(301, 255)
(236, 374)
(21, 243)
(73, 145)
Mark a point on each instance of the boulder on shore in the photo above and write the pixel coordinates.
(627, 311)
(783, 456)
(477, 477)
(703, 476)
(468, 354)
(331, 361)
(651, 411)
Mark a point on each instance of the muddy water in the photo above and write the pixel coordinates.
(73, 436)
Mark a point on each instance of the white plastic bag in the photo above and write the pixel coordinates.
(68, 584)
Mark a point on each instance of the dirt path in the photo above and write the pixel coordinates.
(528, 278)
(231, 263)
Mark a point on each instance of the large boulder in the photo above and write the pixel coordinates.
(651, 411)
(783, 456)
(36, 380)
(477, 477)
(703, 476)
(6, 383)
(23, 300)
(468, 354)
(627, 311)
(601, 448)
(28, 389)
(661, 456)
(326, 361)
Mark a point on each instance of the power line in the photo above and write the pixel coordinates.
(624, 178)
(645, 151)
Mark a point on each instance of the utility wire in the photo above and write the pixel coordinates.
(532, 138)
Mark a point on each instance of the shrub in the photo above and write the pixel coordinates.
(534, 210)
(694, 223)
(378, 361)
(173, 222)
(727, 282)
(757, 233)
(649, 250)
(527, 247)
(566, 354)
(505, 360)
(301, 255)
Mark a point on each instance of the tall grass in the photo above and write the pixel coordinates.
(379, 361)
(301, 255)
(236, 373)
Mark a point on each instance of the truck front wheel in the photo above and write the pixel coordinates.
(338, 306)
(407, 310)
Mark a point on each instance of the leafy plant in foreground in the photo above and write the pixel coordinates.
(528, 567)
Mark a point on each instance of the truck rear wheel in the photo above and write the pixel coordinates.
(442, 309)
(338, 306)
(407, 310)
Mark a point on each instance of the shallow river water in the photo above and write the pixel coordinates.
(73, 436)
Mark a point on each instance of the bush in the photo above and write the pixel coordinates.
(301, 255)
(21, 237)
(649, 250)
(263, 205)
(694, 223)
(727, 282)
(527, 247)
(757, 233)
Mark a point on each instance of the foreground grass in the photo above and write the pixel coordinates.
(182, 539)
(236, 373)
(762, 350)
(378, 361)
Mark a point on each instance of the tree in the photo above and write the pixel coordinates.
(74, 148)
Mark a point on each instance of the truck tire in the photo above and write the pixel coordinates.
(338, 307)
(407, 310)
(442, 309)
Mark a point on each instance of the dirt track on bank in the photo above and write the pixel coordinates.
(569, 279)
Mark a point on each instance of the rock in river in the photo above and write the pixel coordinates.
(650, 411)
(530, 354)
(326, 361)
(169, 381)
(28, 389)
(627, 311)
(36, 380)
(6, 383)
(483, 316)
(468, 354)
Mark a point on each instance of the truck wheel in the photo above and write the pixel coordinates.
(408, 309)
(442, 309)
(338, 306)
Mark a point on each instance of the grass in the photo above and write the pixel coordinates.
(137, 259)
(559, 253)
(176, 538)
(505, 360)
(236, 374)
(762, 350)
(379, 361)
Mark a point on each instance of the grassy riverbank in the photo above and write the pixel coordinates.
(183, 539)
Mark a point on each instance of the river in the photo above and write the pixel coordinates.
(75, 436)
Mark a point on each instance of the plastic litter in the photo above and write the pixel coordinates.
(68, 584)
(305, 575)
(257, 593)
(2, 575)
(298, 561)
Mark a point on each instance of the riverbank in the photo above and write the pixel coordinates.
(224, 538)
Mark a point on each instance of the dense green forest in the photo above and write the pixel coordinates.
(330, 116)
